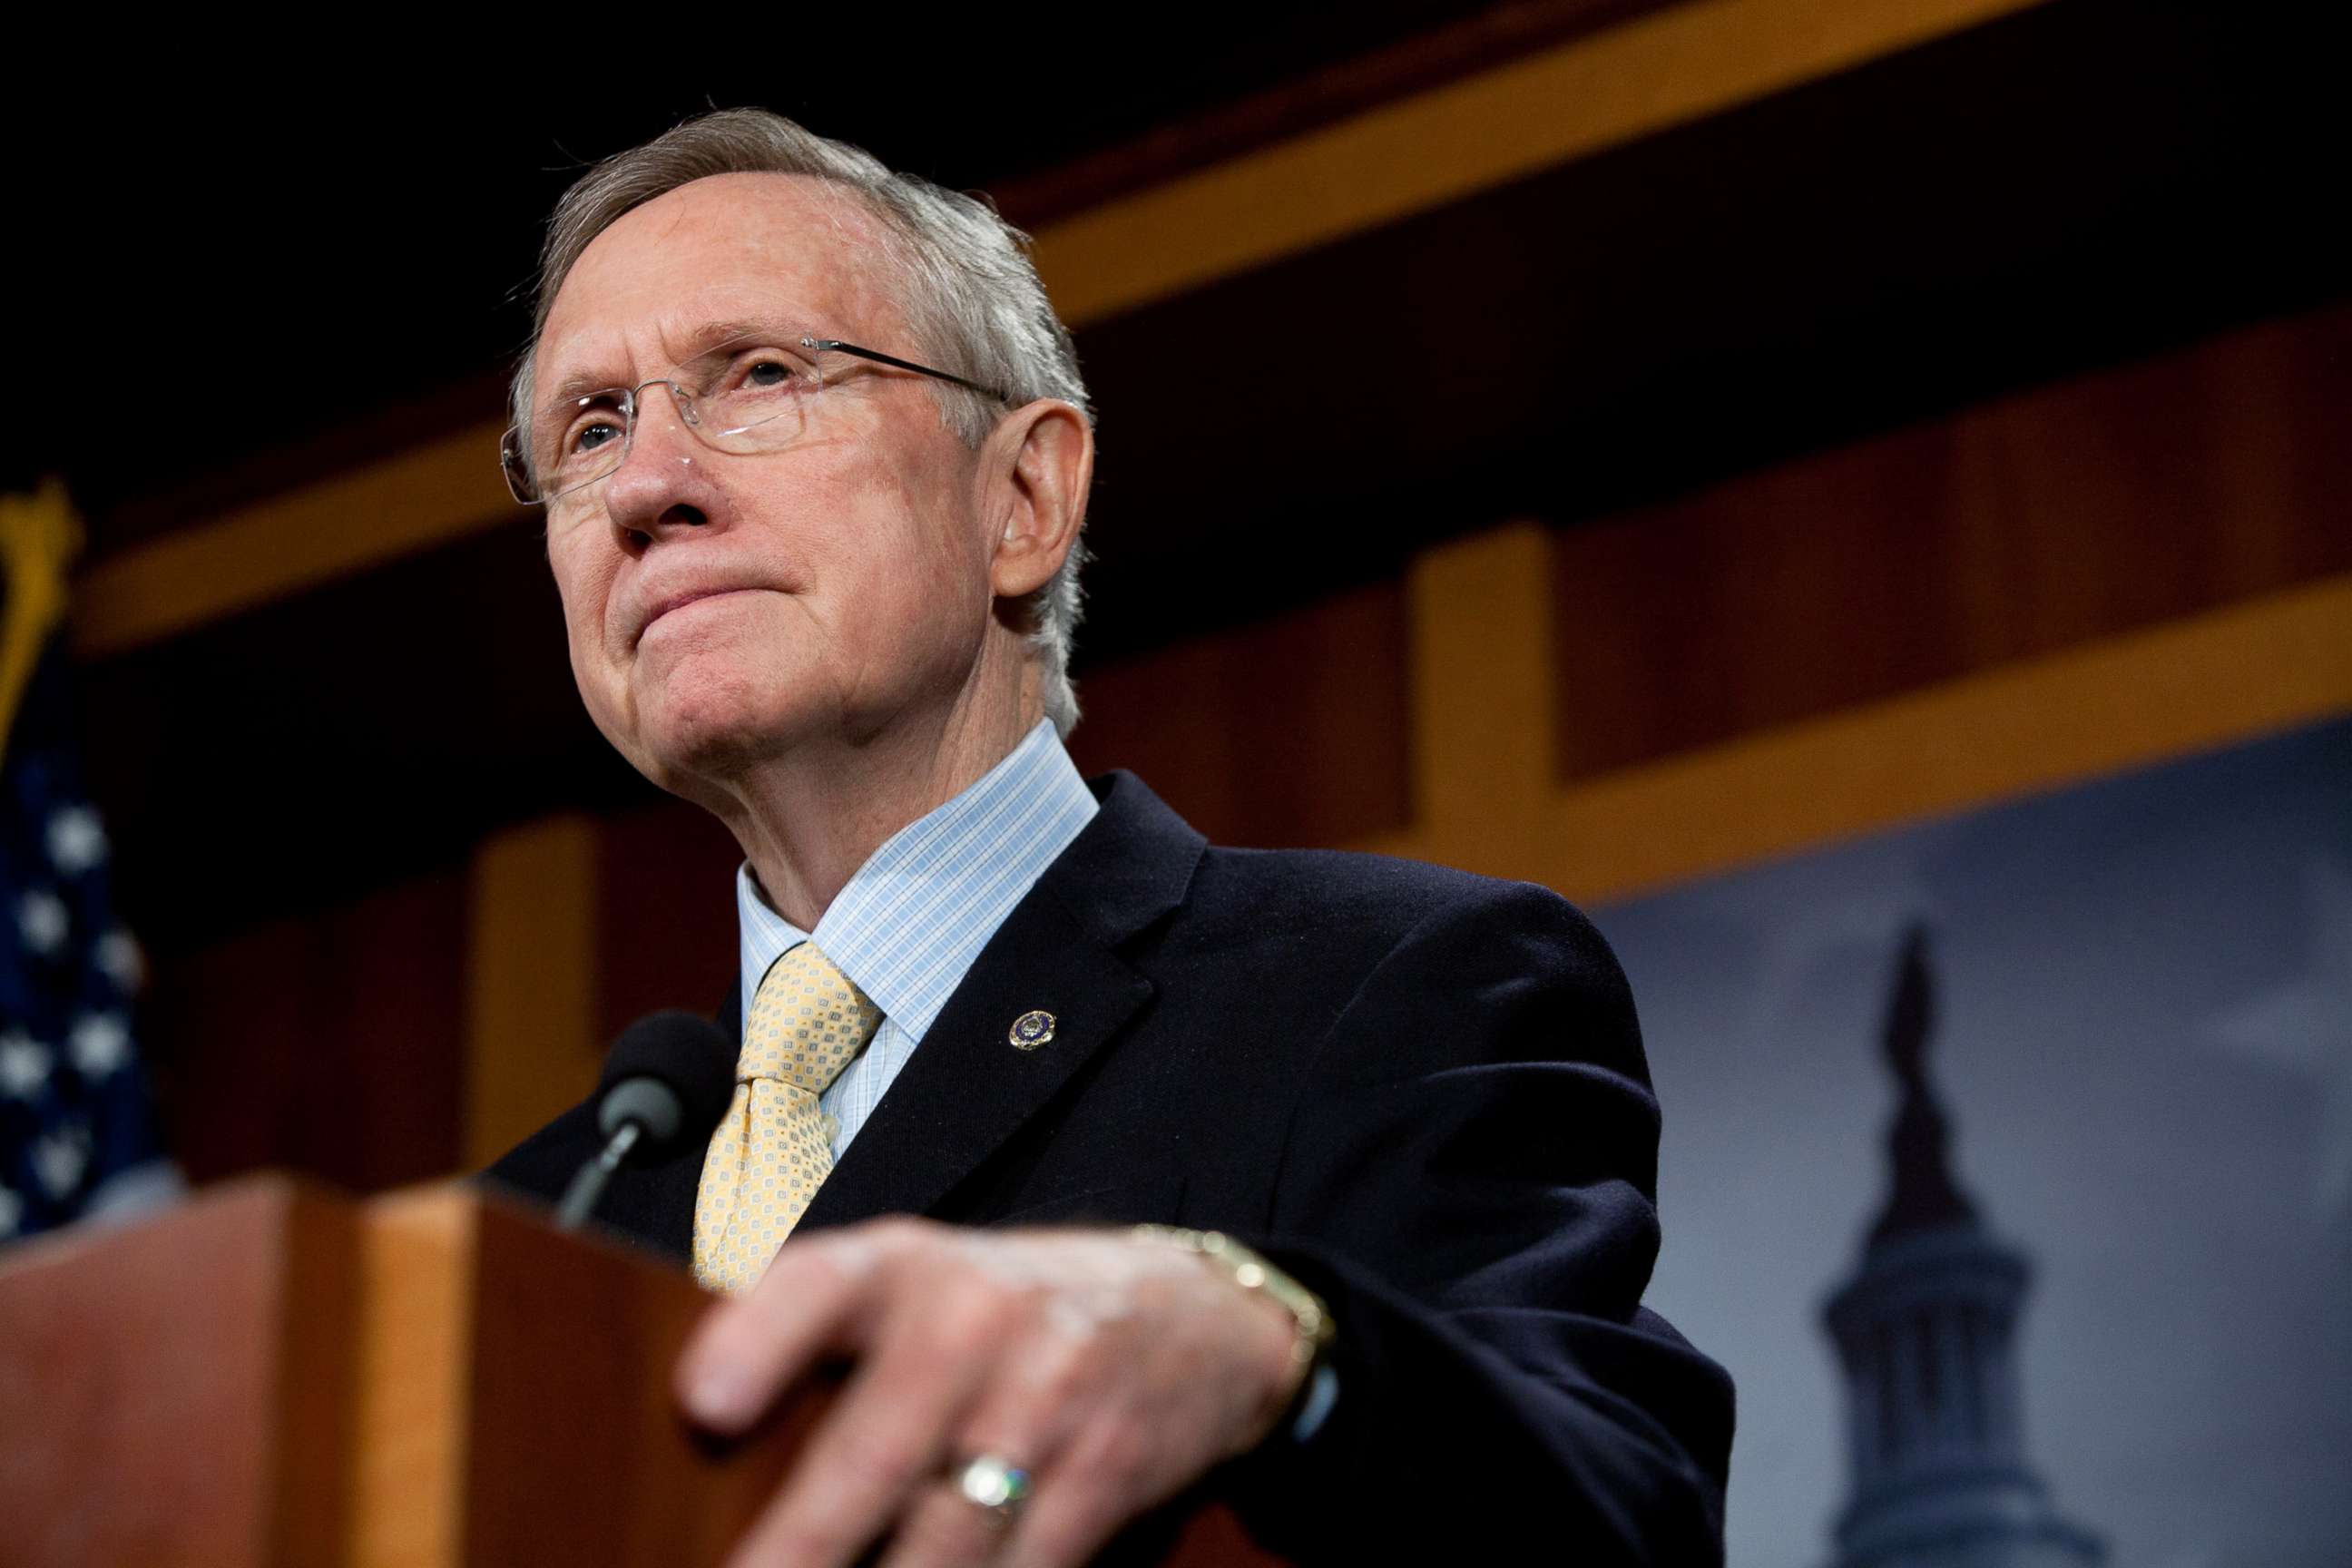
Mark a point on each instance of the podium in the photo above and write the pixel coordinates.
(275, 1374)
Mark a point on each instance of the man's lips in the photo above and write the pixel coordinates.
(680, 600)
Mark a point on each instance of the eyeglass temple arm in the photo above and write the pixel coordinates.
(879, 357)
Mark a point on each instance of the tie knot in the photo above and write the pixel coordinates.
(807, 1022)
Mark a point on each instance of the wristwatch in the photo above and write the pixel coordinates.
(1310, 1319)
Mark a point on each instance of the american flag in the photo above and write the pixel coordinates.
(77, 1132)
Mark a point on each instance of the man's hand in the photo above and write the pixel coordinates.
(1116, 1372)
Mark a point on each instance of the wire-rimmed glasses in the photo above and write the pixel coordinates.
(747, 399)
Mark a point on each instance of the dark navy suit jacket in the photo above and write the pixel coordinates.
(1421, 1091)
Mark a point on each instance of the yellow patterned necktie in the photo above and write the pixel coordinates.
(770, 1152)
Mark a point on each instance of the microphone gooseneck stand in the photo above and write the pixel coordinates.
(665, 1083)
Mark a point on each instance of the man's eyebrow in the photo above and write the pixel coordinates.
(700, 343)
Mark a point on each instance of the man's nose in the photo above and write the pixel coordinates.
(660, 486)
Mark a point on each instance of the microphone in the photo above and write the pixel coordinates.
(667, 1082)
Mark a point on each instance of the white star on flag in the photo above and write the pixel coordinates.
(76, 840)
(24, 1066)
(43, 918)
(100, 1044)
(59, 1159)
(120, 960)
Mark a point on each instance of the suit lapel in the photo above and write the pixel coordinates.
(967, 1089)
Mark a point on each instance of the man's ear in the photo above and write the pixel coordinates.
(1045, 461)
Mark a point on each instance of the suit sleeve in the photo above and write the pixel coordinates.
(1469, 1181)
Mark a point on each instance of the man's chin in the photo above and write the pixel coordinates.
(707, 749)
(710, 736)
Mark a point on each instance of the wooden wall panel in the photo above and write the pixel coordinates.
(332, 1045)
(665, 924)
(2026, 525)
(533, 914)
(1288, 731)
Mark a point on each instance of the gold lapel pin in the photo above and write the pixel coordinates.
(1032, 1029)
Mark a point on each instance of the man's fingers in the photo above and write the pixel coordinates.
(814, 1297)
(888, 1434)
(1104, 1371)
(1103, 1479)
(944, 1526)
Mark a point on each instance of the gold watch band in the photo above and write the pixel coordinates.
(1246, 1268)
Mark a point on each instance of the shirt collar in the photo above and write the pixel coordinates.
(907, 926)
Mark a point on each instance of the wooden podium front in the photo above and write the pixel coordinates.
(274, 1374)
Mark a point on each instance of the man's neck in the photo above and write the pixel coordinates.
(807, 820)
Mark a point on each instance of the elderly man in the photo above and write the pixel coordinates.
(814, 454)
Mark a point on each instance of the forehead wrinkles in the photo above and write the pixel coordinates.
(731, 247)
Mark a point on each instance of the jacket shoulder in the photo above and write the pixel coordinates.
(1433, 965)
(1378, 898)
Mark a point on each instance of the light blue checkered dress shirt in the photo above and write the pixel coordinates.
(907, 926)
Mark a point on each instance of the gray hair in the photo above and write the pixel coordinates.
(967, 286)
